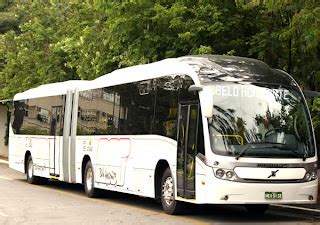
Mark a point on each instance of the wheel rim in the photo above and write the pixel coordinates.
(167, 191)
(30, 169)
(89, 179)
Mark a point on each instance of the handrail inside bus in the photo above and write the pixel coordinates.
(230, 135)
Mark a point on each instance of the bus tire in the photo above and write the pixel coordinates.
(31, 178)
(257, 209)
(169, 204)
(88, 182)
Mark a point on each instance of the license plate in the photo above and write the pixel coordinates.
(273, 195)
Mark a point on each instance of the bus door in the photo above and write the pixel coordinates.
(56, 125)
(187, 144)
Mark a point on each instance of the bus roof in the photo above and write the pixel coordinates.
(164, 67)
(236, 69)
(202, 68)
(52, 89)
(120, 76)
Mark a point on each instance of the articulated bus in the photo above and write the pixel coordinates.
(204, 129)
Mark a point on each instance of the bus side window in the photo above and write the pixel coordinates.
(124, 113)
(136, 108)
(96, 112)
(184, 94)
(165, 121)
(144, 110)
(18, 115)
(34, 116)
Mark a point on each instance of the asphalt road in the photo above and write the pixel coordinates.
(62, 203)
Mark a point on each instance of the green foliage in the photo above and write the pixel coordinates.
(54, 40)
(287, 37)
(8, 21)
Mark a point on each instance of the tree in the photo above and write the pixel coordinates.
(53, 40)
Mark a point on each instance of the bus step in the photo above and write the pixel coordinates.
(54, 176)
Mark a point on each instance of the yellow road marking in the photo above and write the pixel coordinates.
(5, 178)
(4, 161)
(2, 214)
(107, 202)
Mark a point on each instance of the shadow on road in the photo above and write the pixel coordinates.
(223, 213)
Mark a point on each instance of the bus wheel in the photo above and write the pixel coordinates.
(257, 209)
(31, 178)
(169, 204)
(91, 192)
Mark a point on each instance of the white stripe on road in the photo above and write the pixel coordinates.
(296, 207)
(2, 214)
(5, 178)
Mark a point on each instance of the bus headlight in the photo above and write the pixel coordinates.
(229, 174)
(314, 175)
(310, 176)
(224, 174)
(219, 173)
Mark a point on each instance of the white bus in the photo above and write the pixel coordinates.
(200, 129)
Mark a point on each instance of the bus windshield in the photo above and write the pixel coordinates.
(259, 120)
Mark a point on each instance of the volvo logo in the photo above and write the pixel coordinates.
(273, 173)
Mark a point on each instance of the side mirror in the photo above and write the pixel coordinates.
(206, 99)
(195, 88)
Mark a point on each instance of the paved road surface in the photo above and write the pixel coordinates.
(61, 203)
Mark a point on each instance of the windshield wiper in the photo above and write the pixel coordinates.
(274, 145)
(268, 145)
(249, 145)
(281, 146)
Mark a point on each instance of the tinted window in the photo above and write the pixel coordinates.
(165, 122)
(143, 107)
(136, 109)
(184, 94)
(95, 111)
(39, 116)
(124, 109)
(260, 120)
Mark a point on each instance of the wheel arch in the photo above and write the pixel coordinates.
(162, 165)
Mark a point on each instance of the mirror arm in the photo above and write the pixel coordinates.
(311, 94)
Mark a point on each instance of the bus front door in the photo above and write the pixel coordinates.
(187, 144)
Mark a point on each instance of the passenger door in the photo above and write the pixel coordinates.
(187, 148)
(56, 126)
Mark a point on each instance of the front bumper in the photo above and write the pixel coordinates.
(229, 192)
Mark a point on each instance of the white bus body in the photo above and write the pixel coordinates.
(84, 132)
